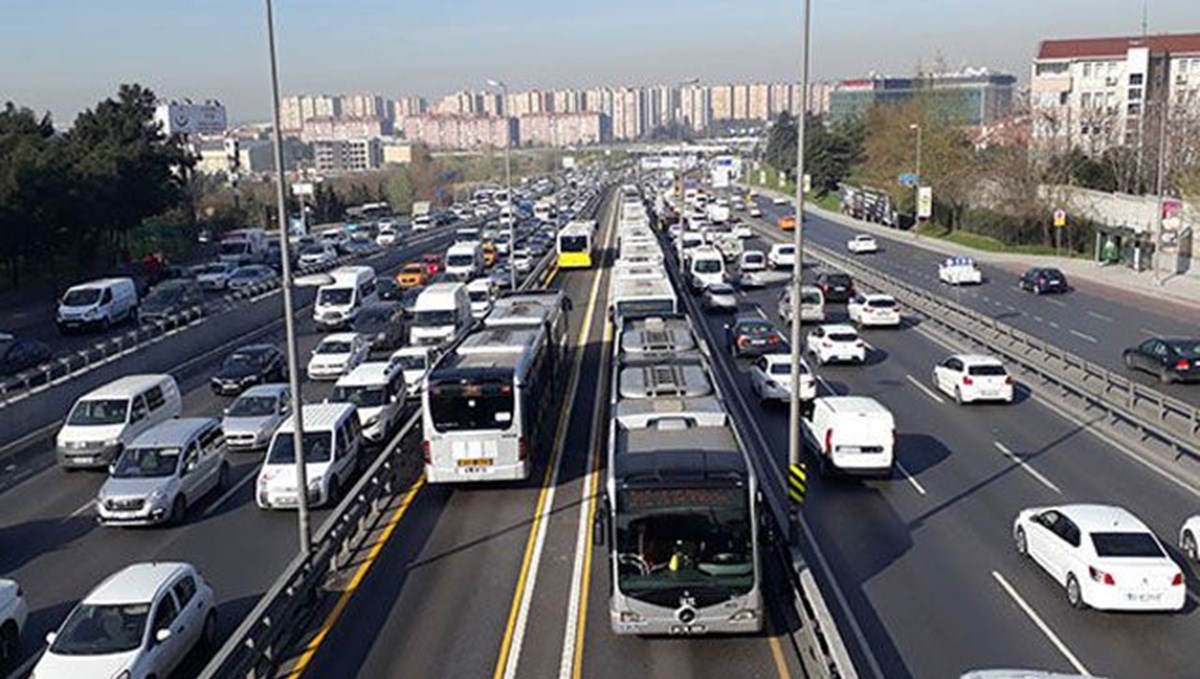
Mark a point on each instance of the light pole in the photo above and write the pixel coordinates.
(917, 201)
(795, 435)
(1160, 186)
(680, 204)
(289, 322)
(512, 217)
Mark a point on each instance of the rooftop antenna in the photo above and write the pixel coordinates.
(1145, 18)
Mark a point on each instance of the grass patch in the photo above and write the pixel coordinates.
(988, 244)
(829, 201)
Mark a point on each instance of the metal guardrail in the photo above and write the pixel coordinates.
(257, 647)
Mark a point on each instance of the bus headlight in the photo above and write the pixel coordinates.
(630, 616)
(743, 616)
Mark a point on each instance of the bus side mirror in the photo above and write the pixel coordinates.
(598, 530)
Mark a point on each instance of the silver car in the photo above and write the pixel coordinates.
(170, 466)
(253, 417)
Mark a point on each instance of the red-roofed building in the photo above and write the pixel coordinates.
(1094, 93)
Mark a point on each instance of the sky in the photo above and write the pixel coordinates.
(63, 56)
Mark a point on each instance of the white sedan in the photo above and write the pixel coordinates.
(337, 355)
(755, 211)
(862, 244)
(873, 310)
(960, 271)
(1103, 556)
(973, 377)
(836, 342)
(771, 379)
(1189, 538)
(780, 200)
(782, 256)
(752, 260)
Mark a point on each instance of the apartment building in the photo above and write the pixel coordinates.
(564, 129)
(334, 156)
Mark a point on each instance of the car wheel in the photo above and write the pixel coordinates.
(1189, 547)
(10, 644)
(958, 395)
(335, 492)
(178, 510)
(1165, 376)
(208, 637)
(1074, 593)
(1129, 362)
(105, 324)
(223, 476)
(1022, 543)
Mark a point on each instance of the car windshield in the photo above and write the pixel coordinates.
(721, 289)
(707, 266)
(143, 463)
(1126, 545)
(786, 250)
(434, 318)
(784, 368)
(409, 362)
(245, 359)
(217, 269)
(684, 541)
(317, 448)
(99, 412)
(235, 247)
(478, 295)
(102, 630)
(462, 405)
(253, 406)
(460, 260)
(572, 243)
(837, 280)
(162, 296)
(248, 272)
(361, 396)
(335, 296)
(333, 347)
(809, 298)
(754, 258)
(83, 297)
(373, 318)
(312, 249)
(987, 370)
(414, 269)
(754, 329)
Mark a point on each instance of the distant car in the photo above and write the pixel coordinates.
(771, 379)
(253, 417)
(413, 275)
(1171, 359)
(432, 262)
(1103, 556)
(782, 256)
(386, 236)
(959, 271)
(251, 276)
(1189, 538)
(140, 622)
(779, 200)
(387, 289)
(337, 355)
(318, 254)
(381, 324)
(875, 310)
(972, 377)
(1021, 674)
(13, 614)
(812, 304)
(169, 298)
(250, 365)
(754, 336)
(17, 354)
(215, 276)
(359, 246)
(836, 286)
(862, 244)
(1040, 281)
(752, 260)
(835, 342)
(719, 297)
(754, 211)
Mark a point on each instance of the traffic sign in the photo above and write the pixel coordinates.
(797, 483)
(1060, 218)
(924, 202)
(907, 179)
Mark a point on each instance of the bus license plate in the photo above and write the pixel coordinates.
(475, 462)
(689, 629)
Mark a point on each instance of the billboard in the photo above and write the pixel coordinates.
(924, 202)
(185, 118)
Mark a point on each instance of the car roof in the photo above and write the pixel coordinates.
(1103, 518)
(174, 432)
(978, 359)
(255, 349)
(853, 404)
(838, 327)
(102, 283)
(138, 583)
(877, 295)
(339, 337)
(270, 389)
(369, 373)
(123, 387)
(318, 416)
(413, 351)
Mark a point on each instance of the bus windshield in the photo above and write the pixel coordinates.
(462, 405)
(573, 243)
(684, 539)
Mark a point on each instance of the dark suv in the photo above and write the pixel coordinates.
(1043, 280)
(836, 286)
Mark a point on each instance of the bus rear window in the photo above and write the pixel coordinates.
(471, 406)
(573, 243)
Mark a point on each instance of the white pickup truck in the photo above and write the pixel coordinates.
(959, 271)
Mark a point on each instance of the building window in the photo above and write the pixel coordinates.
(1064, 98)
(1135, 78)
(1087, 69)
(1135, 94)
(1085, 100)
(1112, 67)
(1134, 109)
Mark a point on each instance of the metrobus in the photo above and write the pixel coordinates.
(640, 296)
(575, 245)
(680, 512)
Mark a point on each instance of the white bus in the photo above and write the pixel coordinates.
(641, 296)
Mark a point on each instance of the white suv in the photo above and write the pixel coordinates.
(861, 244)
(836, 342)
(782, 256)
(140, 622)
(874, 310)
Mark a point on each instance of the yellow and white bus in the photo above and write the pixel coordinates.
(575, 244)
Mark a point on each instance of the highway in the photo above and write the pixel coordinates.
(49, 541)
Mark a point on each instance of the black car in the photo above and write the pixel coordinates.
(21, 354)
(381, 324)
(387, 289)
(1171, 359)
(252, 364)
(408, 300)
(836, 286)
(1040, 281)
(169, 298)
(754, 336)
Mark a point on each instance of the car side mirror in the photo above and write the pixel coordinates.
(189, 467)
(112, 467)
(225, 411)
(162, 635)
(51, 637)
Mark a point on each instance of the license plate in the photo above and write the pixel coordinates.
(688, 629)
(475, 462)
(84, 459)
(285, 501)
(1144, 597)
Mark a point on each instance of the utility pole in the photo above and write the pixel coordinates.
(289, 320)
(512, 216)
(1160, 184)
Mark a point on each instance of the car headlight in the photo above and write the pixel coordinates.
(371, 421)
(156, 495)
(91, 313)
(112, 442)
(315, 484)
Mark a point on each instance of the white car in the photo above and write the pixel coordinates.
(771, 379)
(1189, 538)
(251, 420)
(862, 244)
(780, 200)
(973, 377)
(719, 297)
(337, 355)
(836, 342)
(316, 254)
(742, 230)
(959, 271)
(754, 211)
(1103, 556)
(13, 613)
(216, 276)
(782, 256)
(415, 363)
(142, 621)
(752, 260)
(873, 310)
(386, 237)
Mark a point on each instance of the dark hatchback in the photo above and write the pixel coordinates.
(18, 354)
(382, 324)
(837, 287)
(246, 367)
(1040, 281)
(1171, 359)
(754, 336)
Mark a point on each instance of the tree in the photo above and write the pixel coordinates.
(781, 145)
(830, 153)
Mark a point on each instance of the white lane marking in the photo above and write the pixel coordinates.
(1101, 317)
(87, 506)
(1037, 620)
(214, 506)
(910, 478)
(1057, 303)
(1037, 318)
(1083, 336)
(825, 385)
(927, 391)
(1056, 326)
(1026, 467)
(1152, 333)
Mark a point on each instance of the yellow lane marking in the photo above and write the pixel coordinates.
(359, 574)
(781, 666)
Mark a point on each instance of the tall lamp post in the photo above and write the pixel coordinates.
(289, 322)
(795, 435)
(917, 201)
(512, 217)
(680, 205)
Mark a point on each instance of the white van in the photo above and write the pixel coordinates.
(441, 313)
(97, 304)
(464, 260)
(332, 439)
(338, 302)
(414, 362)
(482, 292)
(854, 434)
(105, 420)
(706, 266)
(377, 390)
